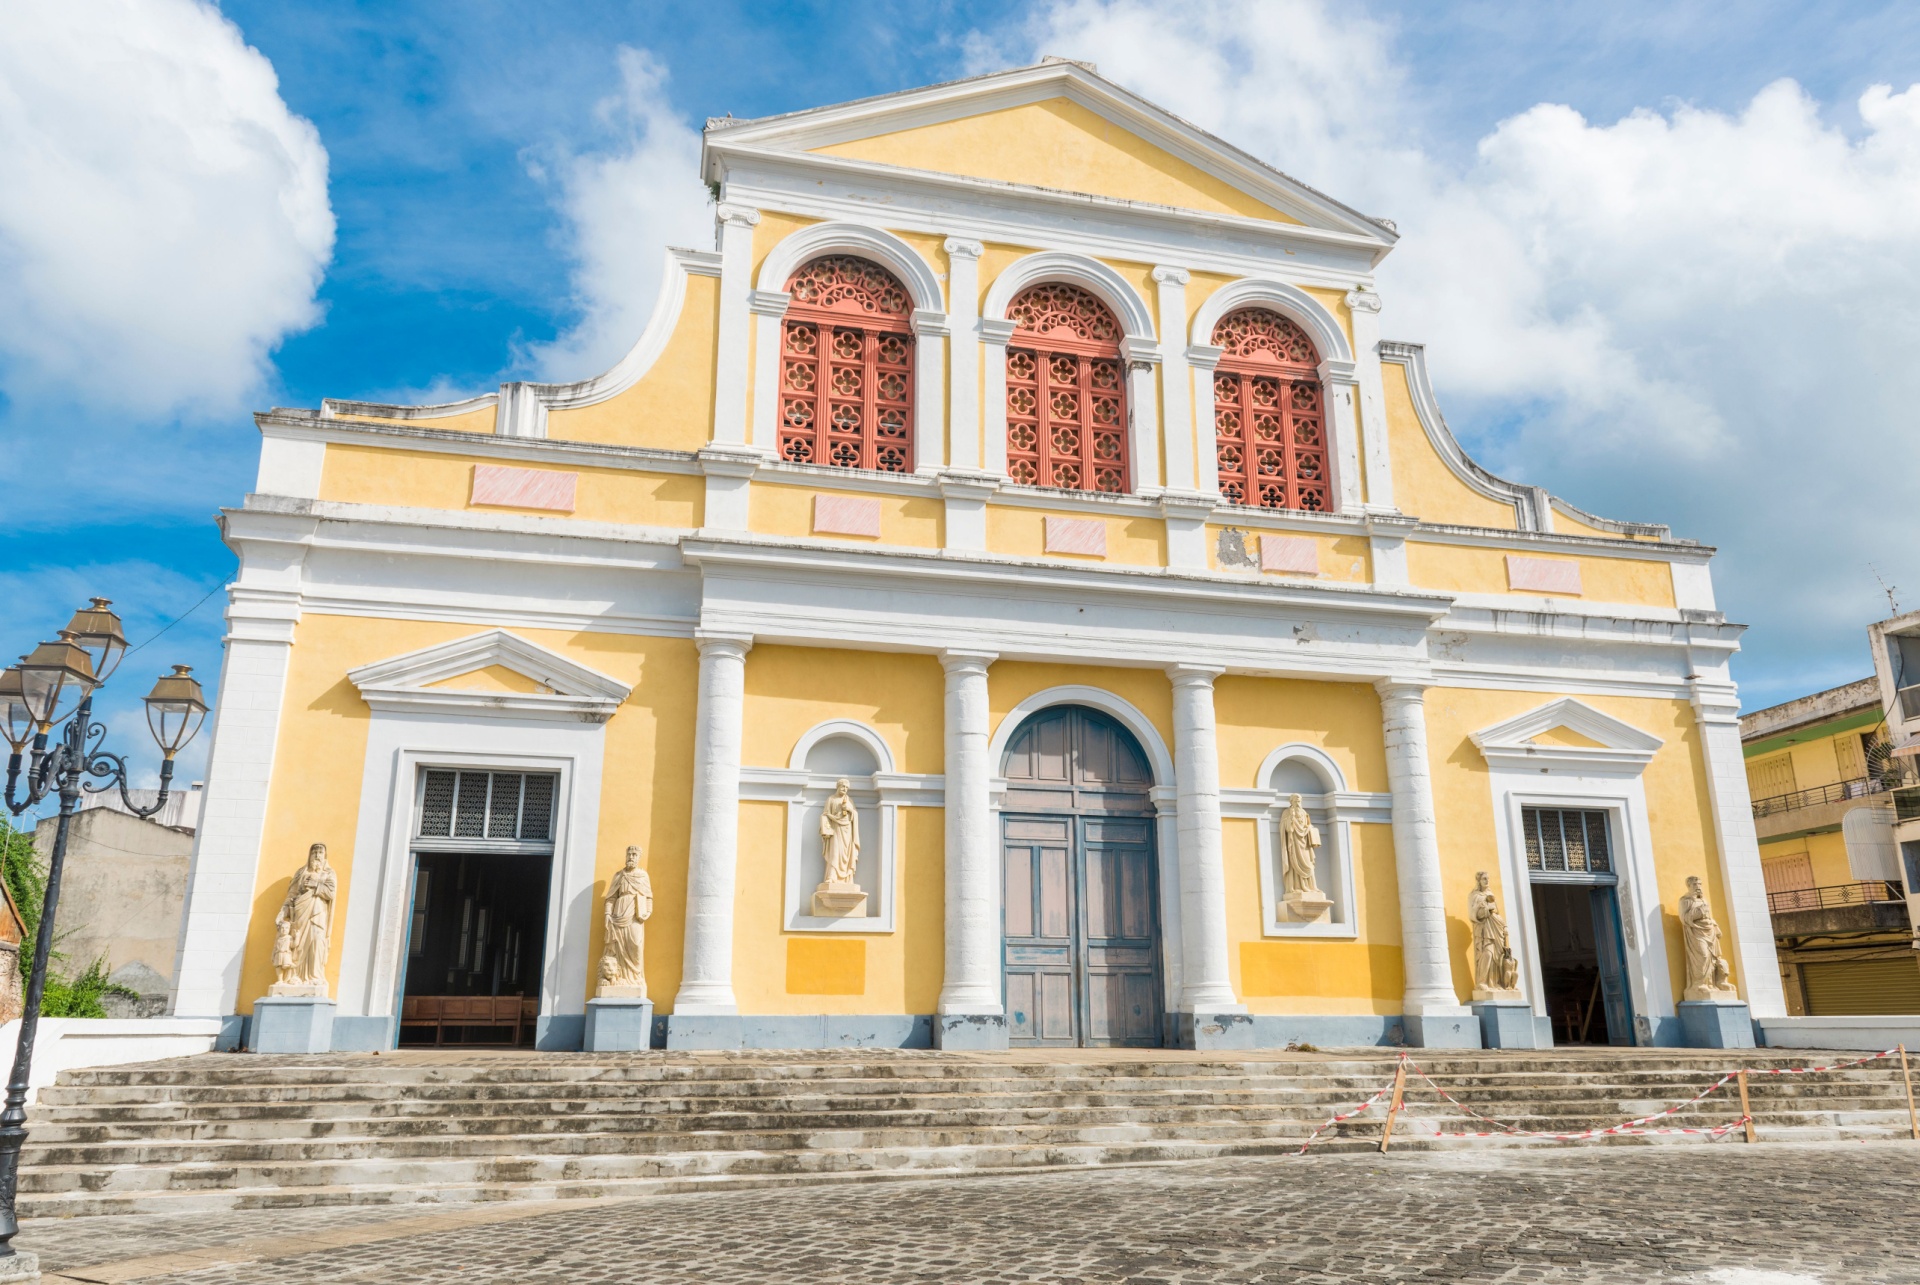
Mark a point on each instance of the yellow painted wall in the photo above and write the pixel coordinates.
(1335, 302)
(1459, 568)
(425, 479)
(671, 406)
(773, 228)
(1342, 557)
(321, 755)
(1131, 541)
(1148, 690)
(1677, 806)
(1058, 144)
(1423, 485)
(916, 521)
(492, 678)
(472, 421)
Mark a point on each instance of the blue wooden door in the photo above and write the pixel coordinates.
(1119, 975)
(1612, 957)
(1042, 941)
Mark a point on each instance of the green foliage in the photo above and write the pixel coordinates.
(80, 996)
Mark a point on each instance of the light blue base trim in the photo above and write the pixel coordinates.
(1509, 1025)
(560, 1033)
(1214, 1030)
(980, 1031)
(1328, 1031)
(1716, 1026)
(233, 1033)
(618, 1025)
(1670, 1033)
(292, 1024)
(822, 1031)
(1435, 1031)
(362, 1034)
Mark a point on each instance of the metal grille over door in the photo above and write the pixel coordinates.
(513, 807)
(1082, 953)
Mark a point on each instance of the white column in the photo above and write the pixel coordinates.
(994, 334)
(1716, 708)
(1364, 307)
(963, 325)
(1338, 387)
(730, 353)
(245, 732)
(1144, 430)
(769, 308)
(1203, 884)
(929, 399)
(972, 980)
(706, 976)
(1176, 401)
(1416, 850)
(1201, 359)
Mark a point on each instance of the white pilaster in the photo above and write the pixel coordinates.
(963, 326)
(1186, 514)
(1416, 850)
(769, 308)
(1207, 987)
(706, 977)
(994, 334)
(1176, 383)
(1343, 433)
(1145, 434)
(729, 470)
(972, 980)
(966, 494)
(1364, 307)
(736, 224)
(1201, 360)
(929, 388)
(1716, 708)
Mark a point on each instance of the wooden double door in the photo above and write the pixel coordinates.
(1080, 905)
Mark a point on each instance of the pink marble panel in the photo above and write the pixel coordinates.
(1542, 575)
(845, 515)
(1077, 535)
(523, 488)
(1289, 553)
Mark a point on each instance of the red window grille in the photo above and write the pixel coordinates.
(1269, 418)
(846, 368)
(1066, 391)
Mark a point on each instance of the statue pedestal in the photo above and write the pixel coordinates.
(1305, 907)
(22, 1266)
(1716, 1024)
(292, 1024)
(619, 1023)
(839, 901)
(297, 990)
(1507, 1023)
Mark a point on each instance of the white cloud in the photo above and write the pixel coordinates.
(1688, 316)
(164, 218)
(624, 202)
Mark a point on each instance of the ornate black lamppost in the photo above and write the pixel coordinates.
(31, 695)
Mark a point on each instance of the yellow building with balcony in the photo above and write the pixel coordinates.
(1032, 463)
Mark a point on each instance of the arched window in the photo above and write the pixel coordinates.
(846, 368)
(1268, 413)
(1066, 391)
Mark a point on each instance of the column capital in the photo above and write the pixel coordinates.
(1405, 689)
(738, 216)
(1363, 301)
(1166, 275)
(768, 303)
(960, 661)
(961, 248)
(719, 642)
(1186, 675)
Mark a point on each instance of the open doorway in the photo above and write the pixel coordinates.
(1578, 928)
(477, 935)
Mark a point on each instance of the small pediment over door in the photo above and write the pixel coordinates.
(497, 674)
(1568, 735)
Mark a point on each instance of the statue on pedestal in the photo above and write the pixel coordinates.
(1496, 974)
(302, 929)
(629, 904)
(1301, 900)
(1708, 977)
(838, 895)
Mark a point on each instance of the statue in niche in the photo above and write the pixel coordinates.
(1496, 974)
(838, 895)
(1708, 977)
(629, 904)
(1301, 900)
(303, 927)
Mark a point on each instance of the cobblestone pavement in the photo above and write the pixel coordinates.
(1719, 1214)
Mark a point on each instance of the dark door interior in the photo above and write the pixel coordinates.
(1582, 963)
(475, 947)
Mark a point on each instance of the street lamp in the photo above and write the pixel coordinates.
(67, 672)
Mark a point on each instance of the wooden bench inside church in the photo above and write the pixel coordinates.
(506, 1021)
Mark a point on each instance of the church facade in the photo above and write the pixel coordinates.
(1011, 594)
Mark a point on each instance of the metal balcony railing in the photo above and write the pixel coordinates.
(1860, 893)
(1858, 788)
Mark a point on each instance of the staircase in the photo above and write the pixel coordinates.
(227, 1131)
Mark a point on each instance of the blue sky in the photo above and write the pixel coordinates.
(1748, 395)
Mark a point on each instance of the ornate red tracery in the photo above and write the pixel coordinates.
(846, 368)
(1066, 391)
(1268, 413)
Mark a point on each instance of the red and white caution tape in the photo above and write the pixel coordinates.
(1343, 1116)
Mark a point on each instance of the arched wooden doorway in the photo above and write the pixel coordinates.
(1080, 902)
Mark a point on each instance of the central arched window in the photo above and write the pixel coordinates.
(846, 368)
(1269, 418)
(1066, 391)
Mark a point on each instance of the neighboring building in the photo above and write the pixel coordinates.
(123, 892)
(1031, 461)
(13, 933)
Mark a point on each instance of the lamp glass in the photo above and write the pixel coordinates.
(175, 709)
(96, 628)
(18, 720)
(53, 669)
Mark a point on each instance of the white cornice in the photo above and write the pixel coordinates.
(301, 425)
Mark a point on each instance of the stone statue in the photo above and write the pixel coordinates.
(1496, 974)
(303, 927)
(1301, 899)
(838, 894)
(629, 902)
(1707, 975)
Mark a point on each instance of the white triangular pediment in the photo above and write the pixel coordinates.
(1598, 741)
(410, 682)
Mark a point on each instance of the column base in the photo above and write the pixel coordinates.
(20, 1268)
(618, 1025)
(292, 1024)
(1457, 1030)
(1708, 1024)
(1214, 1030)
(1507, 1024)
(984, 1031)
